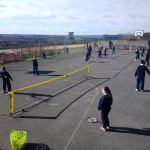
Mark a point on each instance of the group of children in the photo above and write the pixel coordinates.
(147, 55)
(89, 51)
(105, 101)
(6, 76)
(100, 52)
(100, 49)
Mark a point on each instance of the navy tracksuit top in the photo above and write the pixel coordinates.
(35, 62)
(104, 103)
(140, 71)
(5, 76)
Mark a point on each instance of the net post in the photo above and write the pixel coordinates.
(11, 101)
(89, 70)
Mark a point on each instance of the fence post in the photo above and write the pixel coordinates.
(11, 101)
(89, 70)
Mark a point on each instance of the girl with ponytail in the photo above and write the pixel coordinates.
(104, 105)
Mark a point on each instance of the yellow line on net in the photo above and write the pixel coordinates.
(38, 84)
(75, 71)
(49, 80)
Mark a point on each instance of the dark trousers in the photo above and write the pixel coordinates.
(142, 54)
(87, 57)
(137, 57)
(104, 116)
(140, 83)
(6, 83)
(99, 55)
(147, 60)
(35, 70)
(90, 53)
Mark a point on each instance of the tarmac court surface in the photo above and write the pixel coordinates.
(55, 114)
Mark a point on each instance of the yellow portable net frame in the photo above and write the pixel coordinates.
(87, 73)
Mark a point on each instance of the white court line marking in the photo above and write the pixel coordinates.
(79, 124)
(53, 104)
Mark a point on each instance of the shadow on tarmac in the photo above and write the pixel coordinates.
(34, 95)
(146, 91)
(45, 73)
(103, 62)
(144, 131)
(36, 146)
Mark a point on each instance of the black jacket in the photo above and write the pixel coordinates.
(137, 52)
(140, 71)
(5, 76)
(105, 102)
(35, 62)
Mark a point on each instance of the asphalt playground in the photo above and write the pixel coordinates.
(55, 116)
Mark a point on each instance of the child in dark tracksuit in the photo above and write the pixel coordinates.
(140, 75)
(142, 53)
(105, 51)
(105, 106)
(113, 50)
(147, 57)
(35, 66)
(90, 50)
(137, 55)
(99, 52)
(5, 76)
(87, 56)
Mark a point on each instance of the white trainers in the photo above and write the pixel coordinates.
(3, 92)
(103, 129)
(136, 89)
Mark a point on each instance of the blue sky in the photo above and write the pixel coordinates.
(58, 17)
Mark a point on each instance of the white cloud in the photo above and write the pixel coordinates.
(84, 17)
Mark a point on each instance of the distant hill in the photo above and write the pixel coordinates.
(10, 41)
(90, 36)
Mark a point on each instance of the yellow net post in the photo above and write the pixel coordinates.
(11, 99)
(89, 71)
